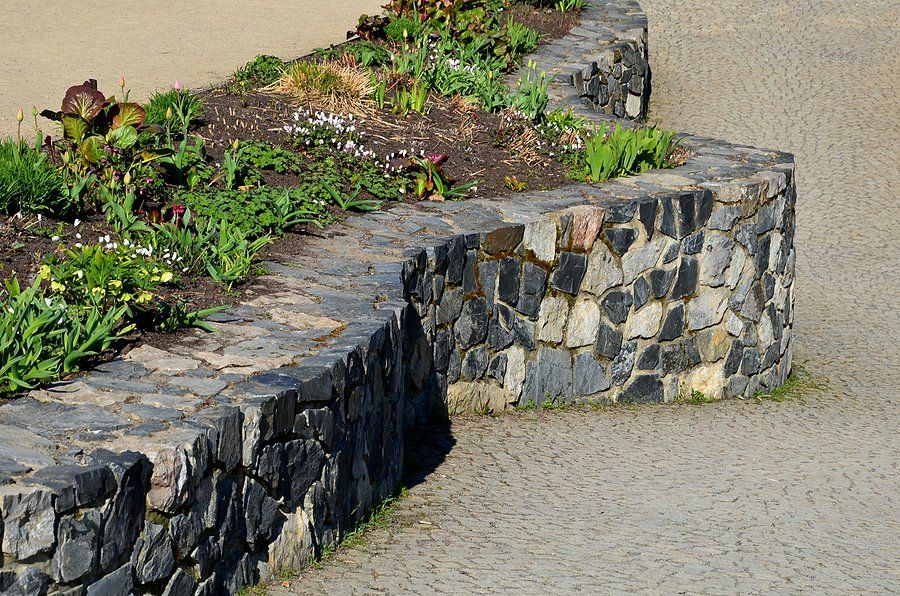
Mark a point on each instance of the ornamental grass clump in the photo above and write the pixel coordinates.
(28, 181)
(335, 85)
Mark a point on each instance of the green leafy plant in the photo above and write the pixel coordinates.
(351, 202)
(174, 109)
(259, 72)
(431, 182)
(92, 123)
(231, 258)
(530, 98)
(625, 151)
(411, 98)
(42, 338)
(514, 184)
(262, 155)
(29, 182)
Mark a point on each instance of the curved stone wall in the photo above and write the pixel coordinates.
(207, 464)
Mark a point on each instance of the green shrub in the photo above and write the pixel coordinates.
(185, 105)
(29, 182)
(403, 28)
(259, 72)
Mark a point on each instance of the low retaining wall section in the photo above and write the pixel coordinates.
(206, 465)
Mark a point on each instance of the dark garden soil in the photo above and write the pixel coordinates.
(483, 147)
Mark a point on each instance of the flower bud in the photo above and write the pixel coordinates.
(169, 113)
(177, 86)
(122, 81)
(20, 115)
(234, 145)
(34, 111)
(127, 179)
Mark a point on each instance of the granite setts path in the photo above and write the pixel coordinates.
(210, 464)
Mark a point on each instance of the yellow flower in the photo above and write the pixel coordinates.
(44, 271)
(55, 286)
(115, 283)
(144, 297)
(98, 292)
(126, 297)
(166, 277)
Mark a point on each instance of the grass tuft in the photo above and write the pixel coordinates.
(333, 85)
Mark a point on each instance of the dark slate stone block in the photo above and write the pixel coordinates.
(523, 333)
(644, 389)
(623, 363)
(685, 279)
(667, 222)
(531, 293)
(735, 356)
(620, 239)
(502, 240)
(617, 304)
(620, 212)
(474, 364)
(661, 281)
(469, 283)
(765, 218)
(671, 253)
(762, 254)
(473, 240)
(673, 324)
(641, 292)
(768, 284)
(118, 583)
(453, 368)
(735, 386)
(456, 260)
(497, 368)
(509, 280)
(609, 341)
(704, 207)
(649, 358)
(487, 279)
(472, 325)
(687, 222)
(589, 376)
(568, 275)
(692, 244)
(673, 358)
(750, 363)
(647, 216)
(771, 355)
(499, 337)
(746, 235)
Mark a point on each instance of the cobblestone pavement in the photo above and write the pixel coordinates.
(800, 496)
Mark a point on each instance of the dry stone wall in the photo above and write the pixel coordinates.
(207, 464)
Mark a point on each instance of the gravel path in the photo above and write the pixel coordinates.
(50, 45)
(800, 496)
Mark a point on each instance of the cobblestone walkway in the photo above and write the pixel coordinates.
(800, 496)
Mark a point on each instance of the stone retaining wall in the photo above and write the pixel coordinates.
(605, 58)
(208, 463)
(641, 300)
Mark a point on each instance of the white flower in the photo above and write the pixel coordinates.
(55, 239)
(77, 222)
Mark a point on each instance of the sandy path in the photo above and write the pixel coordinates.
(47, 46)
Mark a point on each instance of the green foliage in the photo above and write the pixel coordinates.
(259, 72)
(403, 28)
(231, 257)
(261, 155)
(256, 212)
(97, 126)
(530, 98)
(411, 98)
(351, 202)
(174, 109)
(368, 53)
(42, 338)
(107, 276)
(431, 181)
(624, 152)
(29, 182)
